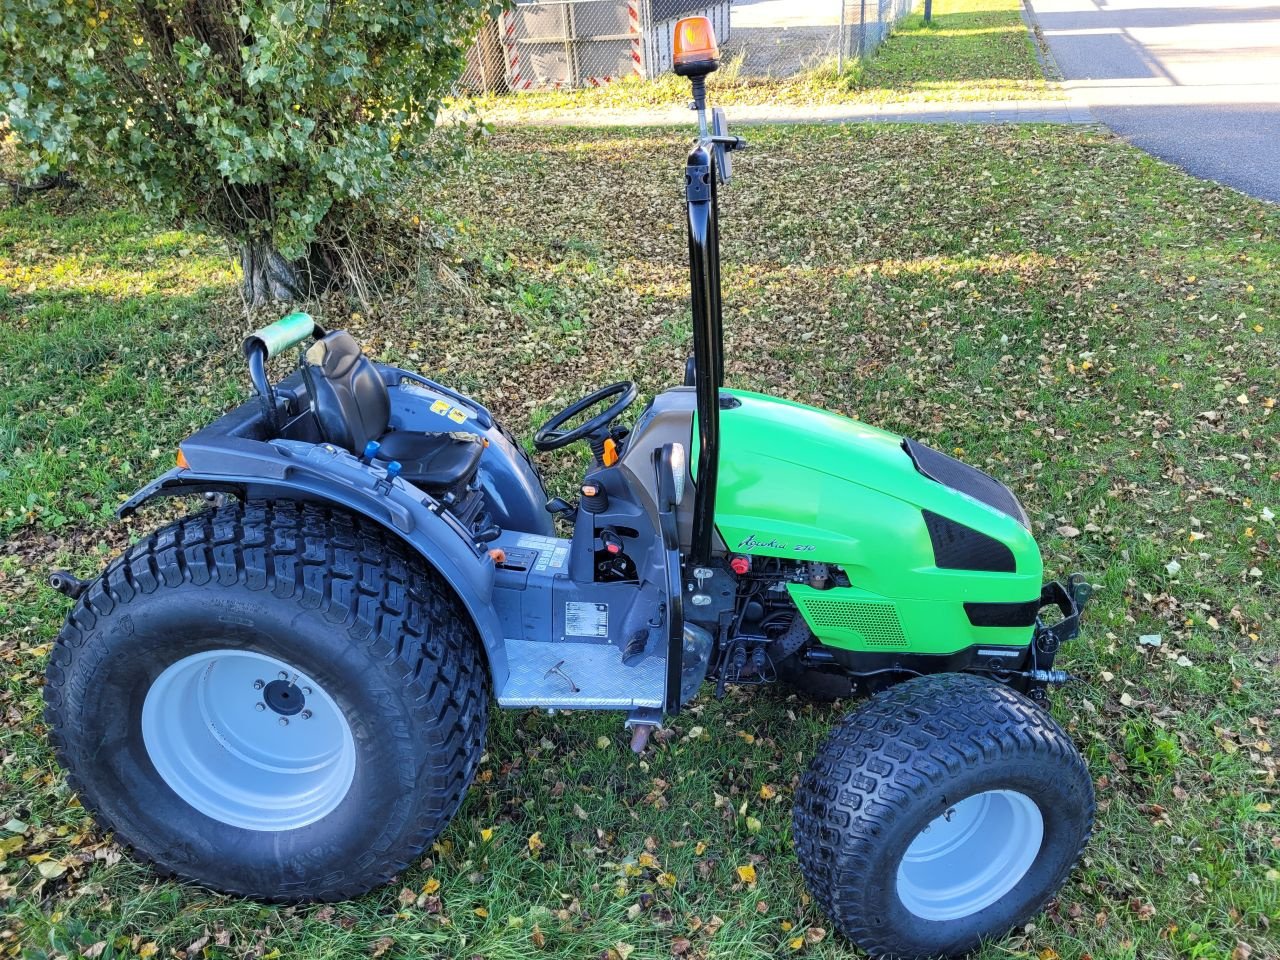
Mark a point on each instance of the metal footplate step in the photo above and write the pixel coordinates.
(579, 676)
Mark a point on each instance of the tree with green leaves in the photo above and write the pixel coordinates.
(282, 125)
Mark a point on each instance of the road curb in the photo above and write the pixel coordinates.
(1044, 56)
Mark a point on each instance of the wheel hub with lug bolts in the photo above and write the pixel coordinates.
(283, 697)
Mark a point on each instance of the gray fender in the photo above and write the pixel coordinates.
(290, 470)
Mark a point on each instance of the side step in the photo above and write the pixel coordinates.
(580, 676)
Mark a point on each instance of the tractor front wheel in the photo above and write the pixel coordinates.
(946, 811)
(272, 700)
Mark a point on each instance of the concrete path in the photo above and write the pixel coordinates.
(1007, 111)
(1195, 82)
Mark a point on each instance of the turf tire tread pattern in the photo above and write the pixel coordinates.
(364, 582)
(886, 756)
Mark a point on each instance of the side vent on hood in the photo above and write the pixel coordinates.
(957, 547)
(871, 624)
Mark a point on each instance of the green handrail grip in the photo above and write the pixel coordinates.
(285, 333)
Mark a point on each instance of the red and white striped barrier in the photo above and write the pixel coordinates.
(637, 39)
(515, 81)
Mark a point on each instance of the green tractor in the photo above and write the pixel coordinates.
(285, 695)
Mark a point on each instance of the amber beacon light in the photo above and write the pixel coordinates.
(696, 53)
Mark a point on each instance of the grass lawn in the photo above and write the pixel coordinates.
(973, 50)
(1055, 307)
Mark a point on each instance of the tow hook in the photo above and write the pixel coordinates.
(68, 584)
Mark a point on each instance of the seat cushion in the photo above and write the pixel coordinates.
(433, 461)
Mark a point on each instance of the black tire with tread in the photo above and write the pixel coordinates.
(900, 760)
(332, 594)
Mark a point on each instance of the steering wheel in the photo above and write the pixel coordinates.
(551, 437)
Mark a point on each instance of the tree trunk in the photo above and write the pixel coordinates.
(268, 276)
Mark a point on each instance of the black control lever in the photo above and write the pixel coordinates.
(558, 506)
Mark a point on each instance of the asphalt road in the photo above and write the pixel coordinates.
(1197, 84)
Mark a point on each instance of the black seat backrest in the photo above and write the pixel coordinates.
(348, 397)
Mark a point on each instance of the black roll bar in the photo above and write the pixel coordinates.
(701, 177)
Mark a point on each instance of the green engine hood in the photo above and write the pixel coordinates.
(805, 484)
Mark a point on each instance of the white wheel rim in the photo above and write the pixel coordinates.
(248, 740)
(970, 856)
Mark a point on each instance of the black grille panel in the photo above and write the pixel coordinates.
(957, 547)
(1003, 614)
(971, 481)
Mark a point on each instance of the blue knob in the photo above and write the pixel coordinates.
(393, 469)
(370, 451)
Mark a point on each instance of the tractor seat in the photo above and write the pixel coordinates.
(352, 406)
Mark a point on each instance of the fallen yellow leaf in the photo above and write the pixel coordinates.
(481, 912)
(431, 886)
(486, 834)
(535, 842)
(747, 873)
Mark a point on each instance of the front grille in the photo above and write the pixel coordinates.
(970, 481)
(876, 623)
(1003, 614)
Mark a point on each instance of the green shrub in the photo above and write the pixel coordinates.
(270, 123)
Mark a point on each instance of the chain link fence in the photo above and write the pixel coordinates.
(570, 44)
(782, 38)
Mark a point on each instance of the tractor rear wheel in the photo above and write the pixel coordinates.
(272, 700)
(945, 811)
